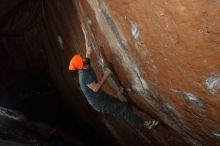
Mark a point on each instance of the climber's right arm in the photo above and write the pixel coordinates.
(97, 86)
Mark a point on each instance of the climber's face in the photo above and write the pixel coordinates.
(86, 61)
(83, 58)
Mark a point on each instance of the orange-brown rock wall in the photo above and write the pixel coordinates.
(166, 55)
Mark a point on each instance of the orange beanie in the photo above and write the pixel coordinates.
(76, 62)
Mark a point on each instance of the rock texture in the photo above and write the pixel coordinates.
(15, 127)
(165, 54)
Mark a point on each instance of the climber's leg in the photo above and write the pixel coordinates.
(110, 105)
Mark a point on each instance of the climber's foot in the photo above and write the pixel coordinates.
(151, 124)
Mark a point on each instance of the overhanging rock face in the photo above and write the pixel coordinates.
(165, 54)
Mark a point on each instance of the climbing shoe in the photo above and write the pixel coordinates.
(151, 124)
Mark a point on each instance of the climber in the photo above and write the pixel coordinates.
(97, 98)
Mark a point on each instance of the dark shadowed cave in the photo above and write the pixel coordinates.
(34, 94)
(27, 86)
(164, 53)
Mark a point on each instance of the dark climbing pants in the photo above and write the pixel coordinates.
(110, 105)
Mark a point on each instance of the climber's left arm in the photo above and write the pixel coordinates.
(88, 51)
(88, 44)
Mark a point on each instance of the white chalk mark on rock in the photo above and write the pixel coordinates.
(101, 62)
(213, 84)
(136, 88)
(60, 40)
(143, 82)
(134, 30)
(193, 99)
(11, 114)
(169, 106)
(89, 21)
(217, 134)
